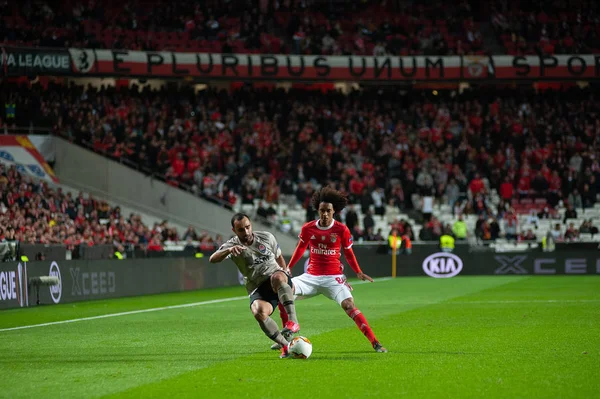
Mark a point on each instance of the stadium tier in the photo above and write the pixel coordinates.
(306, 27)
(494, 155)
(411, 160)
(32, 212)
(524, 28)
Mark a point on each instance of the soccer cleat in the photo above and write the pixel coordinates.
(290, 328)
(378, 347)
(285, 353)
(287, 335)
(275, 346)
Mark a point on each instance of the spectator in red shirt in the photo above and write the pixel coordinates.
(193, 165)
(477, 186)
(524, 186)
(546, 172)
(178, 165)
(555, 182)
(171, 177)
(506, 190)
(155, 244)
(356, 187)
(499, 159)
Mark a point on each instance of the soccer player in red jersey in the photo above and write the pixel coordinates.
(325, 275)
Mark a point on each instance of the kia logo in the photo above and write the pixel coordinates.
(442, 265)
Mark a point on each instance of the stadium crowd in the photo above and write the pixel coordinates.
(32, 212)
(382, 148)
(306, 26)
(556, 27)
(300, 27)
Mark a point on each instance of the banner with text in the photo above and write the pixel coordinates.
(81, 280)
(13, 285)
(31, 61)
(427, 260)
(17, 61)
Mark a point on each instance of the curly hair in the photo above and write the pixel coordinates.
(336, 198)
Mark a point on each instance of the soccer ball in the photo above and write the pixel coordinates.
(300, 348)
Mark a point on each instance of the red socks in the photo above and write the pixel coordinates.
(362, 324)
(353, 313)
(283, 314)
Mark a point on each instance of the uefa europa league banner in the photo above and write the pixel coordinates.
(81, 280)
(17, 61)
(13, 285)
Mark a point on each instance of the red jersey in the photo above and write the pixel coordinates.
(325, 247)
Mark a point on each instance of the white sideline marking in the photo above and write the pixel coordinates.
(185, 305)
(105, 316)
(237, 298)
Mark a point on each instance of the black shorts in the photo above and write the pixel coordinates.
(265, 292)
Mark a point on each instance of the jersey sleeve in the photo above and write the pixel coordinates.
(226, 245)
(346, 238)
(304, 235)
(274, 245)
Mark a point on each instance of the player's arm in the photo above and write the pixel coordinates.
(224, 252)
(350, 257)
(300, 248)
(277, 252)
(281, 262)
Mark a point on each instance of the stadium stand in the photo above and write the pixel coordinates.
(546, 27)
(494, 156)
(306, 27)
(33, 212)
(509, 162)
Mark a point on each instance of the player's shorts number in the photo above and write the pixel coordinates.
(342, 281)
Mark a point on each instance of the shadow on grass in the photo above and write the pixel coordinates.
(132, 358)
(402, 352)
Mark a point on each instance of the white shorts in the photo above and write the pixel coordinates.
(333, 287)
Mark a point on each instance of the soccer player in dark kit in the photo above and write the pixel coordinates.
(258, 257)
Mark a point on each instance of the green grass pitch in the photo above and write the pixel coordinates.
(465, 337)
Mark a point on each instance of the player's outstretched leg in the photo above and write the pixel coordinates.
(284, 320)
(280, 284)
(261, 311)
(362, 324)
(283, 314)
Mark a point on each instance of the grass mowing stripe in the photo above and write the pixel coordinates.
(104, 316)
(185, 305)
(513, 301)
(330, 321)
(436, 351)
(148, 351)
